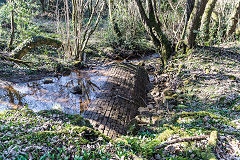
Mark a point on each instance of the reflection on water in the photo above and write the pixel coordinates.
(57, 95)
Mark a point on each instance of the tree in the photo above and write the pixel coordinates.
(114, 25)
(206, 19)
(194, 22)
(12, 27)
(234, 20)
(43, 5)
(153, 27)
(83, 30)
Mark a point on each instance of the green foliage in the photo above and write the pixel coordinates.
(132, 31)
(24, 12)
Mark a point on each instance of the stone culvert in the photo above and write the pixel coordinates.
(116, 104)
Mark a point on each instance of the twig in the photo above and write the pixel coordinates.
(186, 139)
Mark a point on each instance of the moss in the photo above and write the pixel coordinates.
(50, 113)
(200, 114)
(212, 143)
(165, 135)
(231, 77)
(133, 127)
(84, 133)
(180, 106)
(237, 108)
(80, 121)
(34, 42)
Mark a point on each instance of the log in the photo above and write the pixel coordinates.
(34, 42)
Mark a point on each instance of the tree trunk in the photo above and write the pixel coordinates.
(194, 22)
(151, 24)
(234, 20)
(216, 28)
(189, 8)
(112, 20)
(12, 27)
(206, 19)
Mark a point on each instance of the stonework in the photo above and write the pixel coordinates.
(116, 104)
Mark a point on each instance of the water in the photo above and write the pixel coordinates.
(57, 95)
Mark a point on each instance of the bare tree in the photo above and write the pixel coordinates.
(83, 31)
(112, 20)
(12, 27)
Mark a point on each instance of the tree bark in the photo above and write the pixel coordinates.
(151, 24)
(234, 20)
(194, 22)
(43, 5)
(112, 20)
(12, 27)
(206, 19)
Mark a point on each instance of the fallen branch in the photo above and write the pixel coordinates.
(186, 139)
(15, 60)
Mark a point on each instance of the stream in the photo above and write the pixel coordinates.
(57, 93)
(39, 95)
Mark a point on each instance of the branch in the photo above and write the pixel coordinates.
(15, 60)
(186, 139)
(94, 28)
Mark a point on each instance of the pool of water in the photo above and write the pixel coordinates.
(37, 95)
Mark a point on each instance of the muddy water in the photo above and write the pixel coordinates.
(37, 95)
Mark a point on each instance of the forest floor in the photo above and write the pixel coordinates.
(196, 96)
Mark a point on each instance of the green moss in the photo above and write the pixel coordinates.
(237, 108)
(200, 115)
(212, 143)
(181, 106)
(80, 121)
(231, 77)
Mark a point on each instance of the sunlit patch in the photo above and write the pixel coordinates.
(57, 106)
(185, 120)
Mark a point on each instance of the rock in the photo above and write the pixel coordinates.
(48, 81)
(150, 106)
(79, 65)
(76, 90)
(149, 67)
(158, 157)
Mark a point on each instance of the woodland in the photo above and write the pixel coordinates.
(174, 68)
